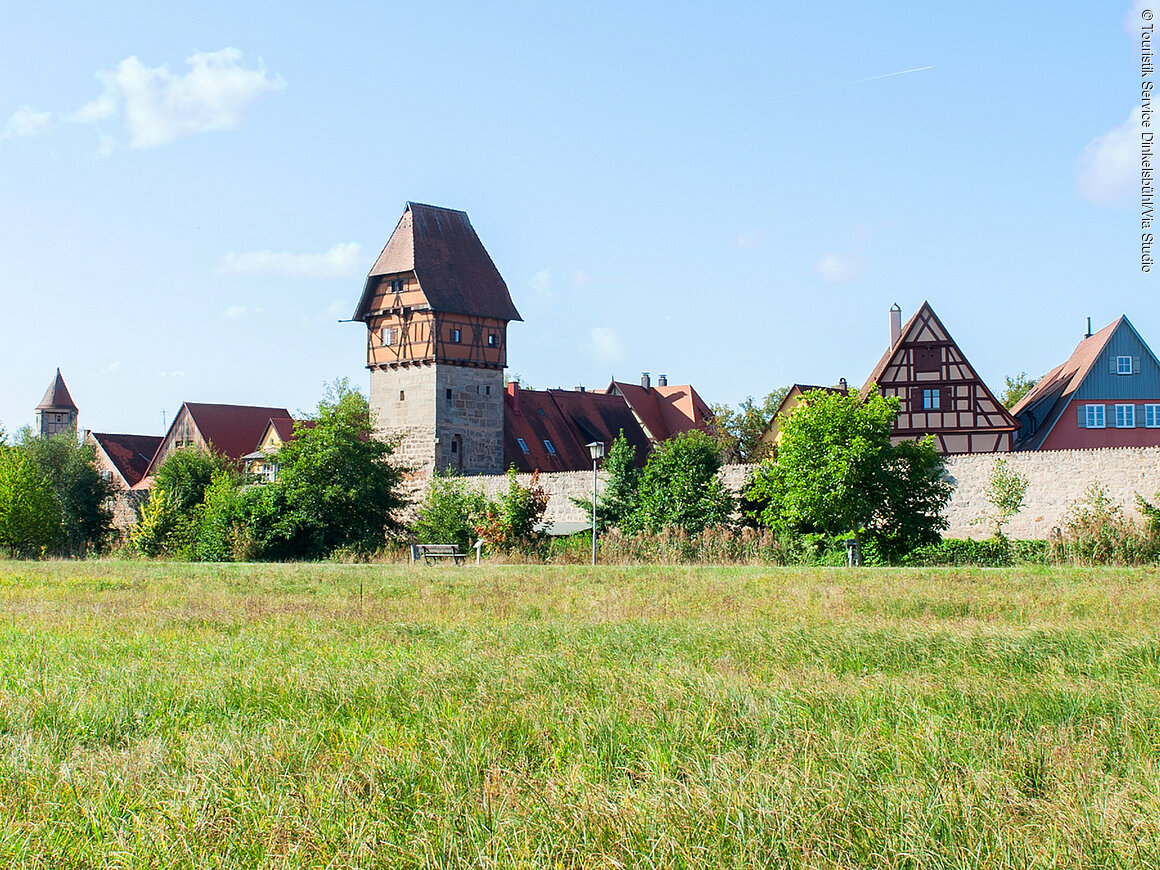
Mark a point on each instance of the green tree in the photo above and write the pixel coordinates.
(679, 487)
(511, 522)
(30, 516)
(621, 480)
(336, 486)
(837, 473)
(187, 473)
(170, 522)
(450, 512)
(739, 431)
(82, 493)
(1016, 388)
(1005, 492)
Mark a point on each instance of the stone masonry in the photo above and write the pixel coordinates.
(1056, 480)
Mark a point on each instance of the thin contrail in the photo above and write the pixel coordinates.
(901, 72)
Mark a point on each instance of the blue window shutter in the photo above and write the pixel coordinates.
(1112, 364)
(1135, 365)
(1082, 422)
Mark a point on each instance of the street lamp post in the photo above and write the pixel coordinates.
(596, 449)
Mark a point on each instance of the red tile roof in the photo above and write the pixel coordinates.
(1057, 386)
(569, 419)
(454, 270)
(56, 396)
(233, 430)
(131, 454)
(664, 411)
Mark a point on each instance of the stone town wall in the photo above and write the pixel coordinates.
(1056, 479)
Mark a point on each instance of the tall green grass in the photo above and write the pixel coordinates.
(396, 716)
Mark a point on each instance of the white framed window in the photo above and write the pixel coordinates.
(551, 449)
(1152, 416)
(1095, 416)
(930, 400)
(1125, 416)
(1123, 365)
(523, 445)
(386, 336)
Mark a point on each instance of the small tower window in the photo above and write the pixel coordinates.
(402, 396)
(455, 336)
(386, 336)
(491, 339)
(487, 389)
(398, 285)
(449, 395)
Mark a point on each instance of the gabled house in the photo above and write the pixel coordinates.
(123, 459)
(1107, 394)
(548, 430)
(260, 463)
(772, 435)
(939, 391)
(231, 430)
(663, 410)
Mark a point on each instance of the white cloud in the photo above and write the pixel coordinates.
(237, 312)
(1107, 172)
(838, 268)
(171, 374)
(159, 107)
(340, 261)
(541, 283)
(25, 121)
(581, 279)
(605, 344)
(751, 239)
(1133, 19)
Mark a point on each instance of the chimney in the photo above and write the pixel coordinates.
(663, 381)
(580, 389)
(895, 324)
(1089, 332)
(644, 380)
(843, 386)
(513, 391)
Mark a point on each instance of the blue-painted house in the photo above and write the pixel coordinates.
(1107, 394)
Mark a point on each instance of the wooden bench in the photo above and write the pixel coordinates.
(429, 553)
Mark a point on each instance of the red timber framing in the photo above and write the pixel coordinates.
(939, 391)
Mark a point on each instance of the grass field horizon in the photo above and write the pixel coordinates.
(318, 715)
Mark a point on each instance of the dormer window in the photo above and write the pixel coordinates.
(1123, 365)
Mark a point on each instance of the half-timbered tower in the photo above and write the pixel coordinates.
(56, 411)
(437, 310)
(939, 391)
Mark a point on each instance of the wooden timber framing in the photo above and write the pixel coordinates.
(939, 392)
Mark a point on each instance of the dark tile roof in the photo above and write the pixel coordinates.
(56, 396)
(233, 430)
(569, 419)
(453, 269)
(131, 454)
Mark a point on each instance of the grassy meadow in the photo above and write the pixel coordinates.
(160, 715)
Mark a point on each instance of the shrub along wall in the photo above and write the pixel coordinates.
(1056, 479)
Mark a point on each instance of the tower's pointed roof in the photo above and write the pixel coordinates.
(56, 397)
(453, 269)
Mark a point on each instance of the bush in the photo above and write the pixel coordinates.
(991, 553)
(450, 512)
(1097, 532)
(679, 488)
(510, 523)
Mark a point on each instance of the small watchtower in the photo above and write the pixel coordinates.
(437, 310)
(56, 411)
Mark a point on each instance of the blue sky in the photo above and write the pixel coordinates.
(193, 194)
